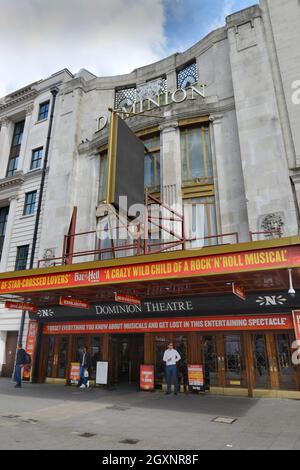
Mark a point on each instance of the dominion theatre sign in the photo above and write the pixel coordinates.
(156, 102)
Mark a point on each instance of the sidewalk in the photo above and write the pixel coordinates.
(57, 417)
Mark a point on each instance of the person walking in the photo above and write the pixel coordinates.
(20, 362)
(171, 357)
(85, 364)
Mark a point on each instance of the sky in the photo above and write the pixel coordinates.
(107, 37)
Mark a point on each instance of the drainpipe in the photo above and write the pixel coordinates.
(54, 93)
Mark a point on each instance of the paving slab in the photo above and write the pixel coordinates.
(42, 416)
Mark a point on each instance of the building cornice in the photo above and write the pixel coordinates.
(16, 180)
(20, 96)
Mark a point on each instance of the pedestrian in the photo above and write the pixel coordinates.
(85, 364)
(20, 362)
(171, 357)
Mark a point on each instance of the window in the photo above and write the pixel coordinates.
(200, 221)
(30, 200)
(36, 160)
(15, 149)
(43, 111)
(196, 154)
(22, 256)
(187, 76)
(152, 163)
(103, 177)
(3, 221)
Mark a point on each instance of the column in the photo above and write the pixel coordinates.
(229, 180)
(8, 233)
(6, 133)
(171, 173)
(2, 349)
(26, 133)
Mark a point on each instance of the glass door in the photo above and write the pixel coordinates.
(62, 357)
(261, 363)
(180, 344)
(234, 360)
(286, 370)
(211, 370)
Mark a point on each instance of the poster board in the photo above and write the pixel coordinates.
(196, 377)
(74, 373)
(102, 373)
(147, 377)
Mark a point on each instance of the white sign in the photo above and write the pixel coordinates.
(102, 373)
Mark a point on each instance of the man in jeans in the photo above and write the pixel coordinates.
(171, 357)
(20, 362)
(85, 364)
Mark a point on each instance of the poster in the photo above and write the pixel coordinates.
(196, 377)
(75, 372)
(102, 373)
(30, 347)
(296, 319)
(147, 377)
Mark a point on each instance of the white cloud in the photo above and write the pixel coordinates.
(40, 37)
(227, 9)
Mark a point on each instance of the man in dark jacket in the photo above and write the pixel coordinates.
(20, 362)
(85, 364)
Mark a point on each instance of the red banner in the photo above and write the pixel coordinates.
(147, 377)
(75, 303)
(239, 291)
(230, 323)
(180, 268)
(127, 299)
(296, 320)
(30, 346)
(21, 306)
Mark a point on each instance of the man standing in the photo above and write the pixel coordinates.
(85, 364)
(20, 362)
(171, 357)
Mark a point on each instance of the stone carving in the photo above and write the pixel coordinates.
(4, 122)
(272, 223)
(49, 254)
(151, 89)
(29, 109)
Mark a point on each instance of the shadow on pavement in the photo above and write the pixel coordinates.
(130, 397)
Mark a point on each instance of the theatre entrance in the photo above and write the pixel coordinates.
(127, 357)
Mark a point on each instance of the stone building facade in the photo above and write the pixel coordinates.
(225, 137)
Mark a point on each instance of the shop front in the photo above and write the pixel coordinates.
(241, 354)
(231, 309)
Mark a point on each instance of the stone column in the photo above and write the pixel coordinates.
(26, 133)
(6, 133)
(8, 234)
(2, 349)
(229, 181)
(171, 178)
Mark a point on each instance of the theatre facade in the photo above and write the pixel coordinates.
(213, 261)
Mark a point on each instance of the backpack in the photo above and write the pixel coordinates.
(27, 359)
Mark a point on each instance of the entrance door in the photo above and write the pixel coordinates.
(262, 377)
(210, 357)
(10, 353)
(127, 356)
(286, 370)
(235, 373)
(57, 356)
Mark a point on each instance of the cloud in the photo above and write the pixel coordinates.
(40, 37)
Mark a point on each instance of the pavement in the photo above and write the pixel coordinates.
(40, 417)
